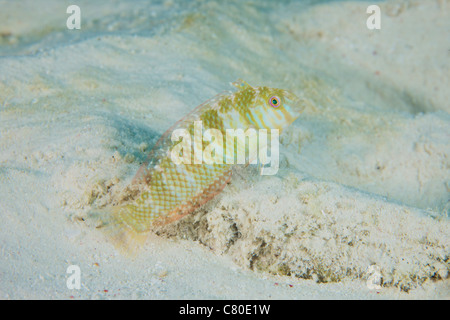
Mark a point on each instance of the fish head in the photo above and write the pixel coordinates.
(272, 108)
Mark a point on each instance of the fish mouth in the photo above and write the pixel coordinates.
(294, 104)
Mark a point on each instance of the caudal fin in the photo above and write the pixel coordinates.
(124, 238)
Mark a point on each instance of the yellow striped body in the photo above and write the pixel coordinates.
(170, 191)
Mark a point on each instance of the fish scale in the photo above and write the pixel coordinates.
(169, 191)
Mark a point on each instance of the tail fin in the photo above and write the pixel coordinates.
(124, 238)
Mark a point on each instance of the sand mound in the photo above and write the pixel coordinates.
(322, 231)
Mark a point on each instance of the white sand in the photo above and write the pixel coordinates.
(365, 176)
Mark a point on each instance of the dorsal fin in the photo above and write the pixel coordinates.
(240, 84)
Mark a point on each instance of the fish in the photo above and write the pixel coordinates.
(169, 191)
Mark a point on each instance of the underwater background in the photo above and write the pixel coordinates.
(364, 179)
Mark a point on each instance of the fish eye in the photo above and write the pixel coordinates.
(275, 101)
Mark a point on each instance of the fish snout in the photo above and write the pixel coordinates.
(293, 105)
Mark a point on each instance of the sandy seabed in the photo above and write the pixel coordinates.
(364, 184)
